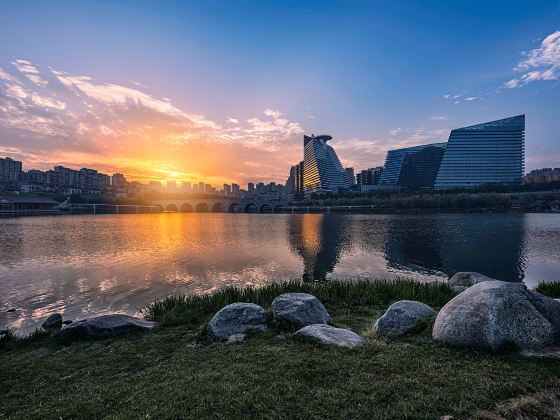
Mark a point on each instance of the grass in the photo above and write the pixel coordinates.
(551, 289)
(169, 374)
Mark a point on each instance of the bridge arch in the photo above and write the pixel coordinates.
(158, 208)
(201, 208)
(234, 208)
(172, 208)
(279, 208)
(186, 208)
(266, 208)
(250, 208)
(218, 208)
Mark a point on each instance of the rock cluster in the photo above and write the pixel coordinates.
(53, 321)
(301, 310)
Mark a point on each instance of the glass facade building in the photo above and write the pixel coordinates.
(322, 170)
(413, 167)
(488, 153)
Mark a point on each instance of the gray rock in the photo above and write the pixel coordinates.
(493, 315)
(403, 317)
(53, 321)
(331, 336)
(104, 326)
(458, 289)
(299, 309)
(237, 318)
(236, 338)
(468, 279)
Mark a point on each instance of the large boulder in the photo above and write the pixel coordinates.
(237, 318)
(104, 326)
(299, 309)
(53, 321)
(329, 335)
(467, 279)
(494, 315)
(404, 317)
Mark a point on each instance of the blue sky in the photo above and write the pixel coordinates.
(375, 75)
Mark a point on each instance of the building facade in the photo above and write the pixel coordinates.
(488, 153)
(369, 176)
(322, 170)
(413, 167)
(10, 170)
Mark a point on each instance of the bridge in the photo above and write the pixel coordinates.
(218, 205)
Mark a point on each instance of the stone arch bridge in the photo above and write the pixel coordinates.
(218, 205)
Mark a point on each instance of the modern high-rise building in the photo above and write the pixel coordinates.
(488, 153)
(322, 170)
(369, 176)
(413, 167)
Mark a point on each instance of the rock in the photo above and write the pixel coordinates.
(67, 321)
(495, 315)
(104, 326)
(331, 336)
(467, 279)
(299, 309)
(236, 338)
(237, 318)
(403, 317)
(53, 321)
(458, 289)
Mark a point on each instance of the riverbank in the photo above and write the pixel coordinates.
(176, 372)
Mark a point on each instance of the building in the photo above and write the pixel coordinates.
(227, 190)
(251, 188)
(412, 167)
(118, 180)
(369, 176)
(294, 184)
(235, 190)
(322, 170)
(542, 176)
(350, 175)
(10, 170)
(488, 153)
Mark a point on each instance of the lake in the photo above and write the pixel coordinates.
(94, 264)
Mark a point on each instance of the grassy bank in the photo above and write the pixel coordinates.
(171, 373)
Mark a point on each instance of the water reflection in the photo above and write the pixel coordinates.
(83, 265)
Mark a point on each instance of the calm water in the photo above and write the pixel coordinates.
(83, 265)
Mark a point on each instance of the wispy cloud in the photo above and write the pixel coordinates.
(542, 63)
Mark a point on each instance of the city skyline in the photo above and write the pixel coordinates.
(226, 97)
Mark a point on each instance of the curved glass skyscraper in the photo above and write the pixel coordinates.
(488, 153)
(322, 171)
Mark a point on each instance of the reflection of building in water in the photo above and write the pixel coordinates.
(491, 245)
(319, 239)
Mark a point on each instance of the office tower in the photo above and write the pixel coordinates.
(10, 170)
(488, 153)
(350, 175)
(413, 167)
(322, 170)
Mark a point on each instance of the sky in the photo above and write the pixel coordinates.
(223, 91)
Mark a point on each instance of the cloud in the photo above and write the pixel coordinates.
(77, 121)
(541, 63)
(272, 113)
(439, 118)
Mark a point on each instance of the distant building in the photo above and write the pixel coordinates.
(118, 180)
(350, 175)
(251, 188)
(235, 190)
(10, 170)
(413, 167)
(369, 176)
(542, 176)
(488, 153)
(172, 186)
(322, 170)
(294, 185)
(227, 190)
